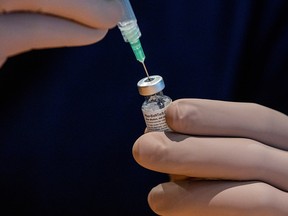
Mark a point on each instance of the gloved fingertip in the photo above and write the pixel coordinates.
(181, 115)
(155, 199)
(140, 149)
(135, 150)
(174, 114)
(164, 198)
(2, 61)
(171, 113)
(149, 149)
(114, 14)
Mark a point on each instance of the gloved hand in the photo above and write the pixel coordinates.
(236, 151)
(35, 24)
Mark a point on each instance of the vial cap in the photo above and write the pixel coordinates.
(150, 85)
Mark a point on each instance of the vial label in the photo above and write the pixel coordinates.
(155, 120)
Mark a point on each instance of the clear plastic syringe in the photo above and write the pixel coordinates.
(131, 32)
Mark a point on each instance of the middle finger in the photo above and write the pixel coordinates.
(203, 157)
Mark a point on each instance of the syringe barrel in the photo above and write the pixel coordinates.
(128, 13)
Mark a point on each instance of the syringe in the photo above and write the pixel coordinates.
(131, 32)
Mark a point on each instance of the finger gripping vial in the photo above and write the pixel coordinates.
(155, 104)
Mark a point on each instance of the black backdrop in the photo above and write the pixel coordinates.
(69, 116)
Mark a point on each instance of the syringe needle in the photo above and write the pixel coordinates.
(131, 32)
(146, 70)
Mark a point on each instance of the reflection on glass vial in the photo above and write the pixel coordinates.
(155, 103)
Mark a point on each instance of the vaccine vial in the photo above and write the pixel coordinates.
(155, 104)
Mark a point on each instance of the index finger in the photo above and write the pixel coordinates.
(94, 13)
(221, 118)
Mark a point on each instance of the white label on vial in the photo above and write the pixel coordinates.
(155, 120)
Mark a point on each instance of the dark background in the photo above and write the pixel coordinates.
(69, 116)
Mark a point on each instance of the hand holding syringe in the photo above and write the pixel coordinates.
(131, 32)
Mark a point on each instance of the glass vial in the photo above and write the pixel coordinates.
(155, 104)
